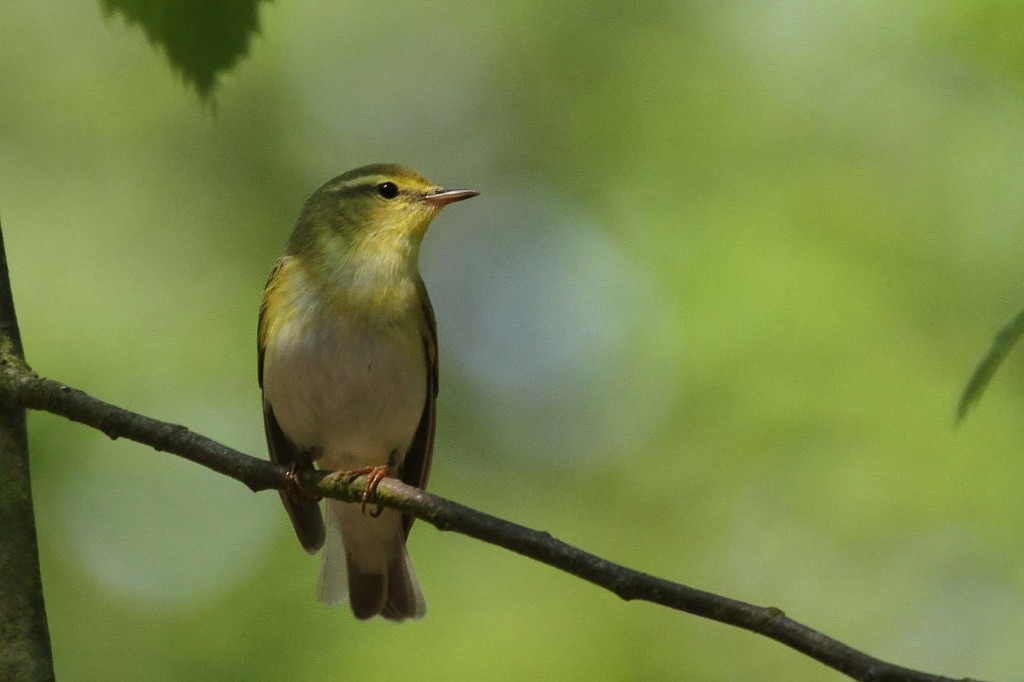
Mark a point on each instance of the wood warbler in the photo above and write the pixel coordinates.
(348, 368)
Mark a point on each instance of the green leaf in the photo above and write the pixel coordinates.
(201, 38)
(1001, 345)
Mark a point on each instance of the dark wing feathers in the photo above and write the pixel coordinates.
(303, 511)
(416, 467)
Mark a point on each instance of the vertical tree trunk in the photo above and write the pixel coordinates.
(24, 638)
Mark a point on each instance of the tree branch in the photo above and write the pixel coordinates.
(24, 638)
(20, 387)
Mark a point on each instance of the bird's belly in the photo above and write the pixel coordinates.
(354, 394)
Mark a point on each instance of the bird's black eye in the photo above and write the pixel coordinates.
(388, 190)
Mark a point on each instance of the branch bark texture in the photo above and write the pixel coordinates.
(20, 387)
(24, 638)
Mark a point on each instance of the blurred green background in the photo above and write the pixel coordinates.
(732, 264)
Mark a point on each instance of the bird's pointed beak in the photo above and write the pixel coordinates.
(443, 197)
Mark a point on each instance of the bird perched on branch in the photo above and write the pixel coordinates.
(348, 369)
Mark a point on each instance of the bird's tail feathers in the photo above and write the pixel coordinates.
(332, 584)
(390, 591)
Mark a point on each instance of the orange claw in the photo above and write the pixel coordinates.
(294, 488)
(374, 475)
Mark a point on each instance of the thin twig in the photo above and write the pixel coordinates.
(1002, 344)
(19, 386)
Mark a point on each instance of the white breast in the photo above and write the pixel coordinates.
(355, 391)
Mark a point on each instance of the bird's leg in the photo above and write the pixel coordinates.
(374, 475)
(294, 490)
